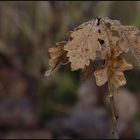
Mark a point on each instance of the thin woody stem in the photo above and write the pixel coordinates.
(113, 108)
(114, 118)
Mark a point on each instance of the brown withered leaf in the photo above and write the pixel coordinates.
(124, 32)
(113, 71)
(134, 41)
(83, 46)
(57, 55)
(136, 49)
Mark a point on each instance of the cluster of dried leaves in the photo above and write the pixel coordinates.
(100, 39)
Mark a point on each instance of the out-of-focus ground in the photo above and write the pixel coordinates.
(60, 106)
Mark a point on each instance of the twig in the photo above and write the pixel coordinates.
(113, 108)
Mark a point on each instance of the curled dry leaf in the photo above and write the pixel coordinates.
(57, 54)
(134, 41)
(113, 71)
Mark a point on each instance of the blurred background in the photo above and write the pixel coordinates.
(62, 105)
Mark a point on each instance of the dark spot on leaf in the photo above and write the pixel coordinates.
(99, 31)
(101, 41)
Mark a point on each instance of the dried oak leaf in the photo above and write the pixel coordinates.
(114, 66)
(117, 28)
(83, 45)
(134, 42)
(135, 49)
(124, 32)
(113, 71)
(129, 39)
